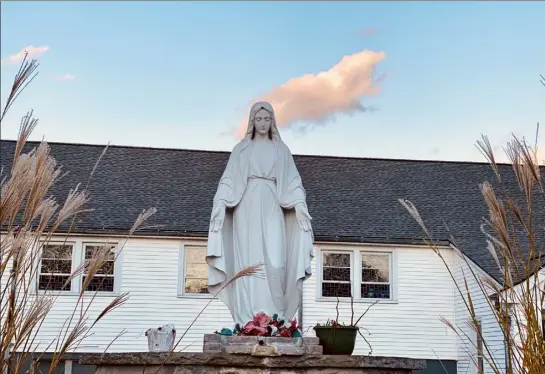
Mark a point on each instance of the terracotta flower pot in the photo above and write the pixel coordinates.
(339, 340)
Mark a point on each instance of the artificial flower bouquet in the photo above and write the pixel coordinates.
(263, 325)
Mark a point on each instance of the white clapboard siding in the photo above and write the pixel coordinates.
(492, 332)
(150, 273)
(150, 269)
(411, 327)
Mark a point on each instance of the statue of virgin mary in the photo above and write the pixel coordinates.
(260, 215)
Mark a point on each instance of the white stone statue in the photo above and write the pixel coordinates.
(260, 215)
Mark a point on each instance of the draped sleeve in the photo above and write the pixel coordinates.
(219, 251)
(232, 182)
(291, 191)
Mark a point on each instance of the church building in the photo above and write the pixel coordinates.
(357, 218)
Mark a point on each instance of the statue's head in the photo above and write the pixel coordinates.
(262, 121)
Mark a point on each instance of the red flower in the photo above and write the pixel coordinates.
(286, 333)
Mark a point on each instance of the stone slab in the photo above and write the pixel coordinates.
(214, 363)
(247, 345)
(194, 369)
(245, 349)
(281, 350)
(225, 339)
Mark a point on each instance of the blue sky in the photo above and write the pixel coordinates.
(182, 74)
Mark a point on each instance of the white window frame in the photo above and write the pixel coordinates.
(355, 263)
(72, 264)
(181, 273)
(390, 272)
(117, 266)
(352, 275)
(78, 256)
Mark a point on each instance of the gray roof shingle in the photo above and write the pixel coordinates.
(350, 199)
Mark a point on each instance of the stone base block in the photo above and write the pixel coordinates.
(216, 343)
(221, 363)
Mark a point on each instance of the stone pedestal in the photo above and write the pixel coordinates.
(215, 343)
(223, 363)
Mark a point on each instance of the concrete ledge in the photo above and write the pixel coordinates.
(223, 339)
(209, 363)
(215, 343)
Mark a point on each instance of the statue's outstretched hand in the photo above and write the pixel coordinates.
(218, 216)
(303, 217)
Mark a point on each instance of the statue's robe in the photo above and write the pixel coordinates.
(260, 226)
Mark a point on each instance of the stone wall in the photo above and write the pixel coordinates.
(213, 363)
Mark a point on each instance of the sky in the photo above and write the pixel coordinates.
(409, 80)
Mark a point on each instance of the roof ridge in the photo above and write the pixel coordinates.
(296, 155)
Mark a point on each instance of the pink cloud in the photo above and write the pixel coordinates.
(64, 78)
(369, 31)
(31, 50)
(316, 98)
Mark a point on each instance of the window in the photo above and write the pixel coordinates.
(195, 271)
(103, 280)
(375, 276)
(63, 267)
(56, 267)
(361, 274)
(336, 274)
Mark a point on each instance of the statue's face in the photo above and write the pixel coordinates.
(262, 122)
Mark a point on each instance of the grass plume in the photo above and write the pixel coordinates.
(511, 231)
(29, 219)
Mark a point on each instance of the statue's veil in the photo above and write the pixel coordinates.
(256, 108)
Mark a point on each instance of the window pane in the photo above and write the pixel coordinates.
(336, 274)
(374, 275)
(336, 289)
(100, 284)
(92, 251)
(196, 285)
(57, 266)
(196, 270)
(54, 282)
(375, 268)
(56, 251)
(336, 259)
(103, 279)
(107, 268)
(195, 255)
(375, 291)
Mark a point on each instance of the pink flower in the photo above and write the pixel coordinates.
(251, 329)
(261, 319)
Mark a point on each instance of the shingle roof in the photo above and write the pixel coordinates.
(350, 199)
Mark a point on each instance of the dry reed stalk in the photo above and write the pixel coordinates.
(29, 218)
(511, 230)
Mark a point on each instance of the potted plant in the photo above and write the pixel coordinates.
(338, 338)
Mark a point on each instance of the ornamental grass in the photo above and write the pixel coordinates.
(514, 230)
